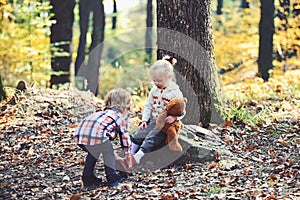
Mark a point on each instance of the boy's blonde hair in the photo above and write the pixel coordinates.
(118, 98)
(163, 67)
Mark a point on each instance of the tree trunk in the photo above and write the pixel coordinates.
(114, 17)
(266, 31)
(2, 92)
(245, 4)
(185, 31)
(149, 34)
(61, 38)
(219, 7)
(91, 70)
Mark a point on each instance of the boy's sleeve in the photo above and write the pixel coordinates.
(125, 139)
(148, 107)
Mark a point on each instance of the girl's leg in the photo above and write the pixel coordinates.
(134, 148)
(139, 136)
(153, 139)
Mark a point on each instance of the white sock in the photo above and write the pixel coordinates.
(134, 148)
(138, 156)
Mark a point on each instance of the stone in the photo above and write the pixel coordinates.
(199, 145)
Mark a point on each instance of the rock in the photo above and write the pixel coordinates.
(199, 145)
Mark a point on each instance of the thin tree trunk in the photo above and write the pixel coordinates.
(245, 4)
(266, 31)
(84, 13)
(2, 92)
(149, 34)
(185, 31)
(114, 17)
(90, 70)
(96, 47)
(61, 37)
(219, 7)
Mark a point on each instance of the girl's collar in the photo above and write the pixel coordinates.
(171, 86)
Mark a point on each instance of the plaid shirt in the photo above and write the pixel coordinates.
(102, 126)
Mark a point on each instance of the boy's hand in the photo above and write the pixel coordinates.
(143, 125)
(129, 160)
(170, 119)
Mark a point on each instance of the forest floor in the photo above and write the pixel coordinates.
(39, 160)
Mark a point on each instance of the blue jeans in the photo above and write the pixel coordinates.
(149, 137)
(94, 151)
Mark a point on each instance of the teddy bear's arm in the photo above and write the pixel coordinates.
(160, 121)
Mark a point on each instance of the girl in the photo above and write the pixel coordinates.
(165, 88)
(94, 135)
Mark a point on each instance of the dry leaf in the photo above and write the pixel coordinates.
(75, 197)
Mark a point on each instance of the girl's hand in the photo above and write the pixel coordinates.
(170, 119)
(143, 125)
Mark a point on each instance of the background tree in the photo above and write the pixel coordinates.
(61, 38)
(266, 31)
(90, 70)
(114, 17)
(192, 44)
(149, 34)
(2, 92)
(219, 7)
(24, 42)
(245, 4)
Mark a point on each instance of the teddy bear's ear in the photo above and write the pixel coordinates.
(185, 100)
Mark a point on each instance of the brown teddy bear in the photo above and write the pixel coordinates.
(176, 107)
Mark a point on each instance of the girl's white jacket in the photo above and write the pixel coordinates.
(158, 99)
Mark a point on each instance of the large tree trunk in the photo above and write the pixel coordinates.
(266, 31)
(185, 31)
(61, 37)
(91, 70)
(149, 34)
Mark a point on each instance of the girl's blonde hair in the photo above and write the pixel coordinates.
(118, 98)
(164, 67)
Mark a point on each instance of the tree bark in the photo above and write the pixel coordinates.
(90, 70)
(266, 31)
(149, 34)
(61, 37)
(185, 31)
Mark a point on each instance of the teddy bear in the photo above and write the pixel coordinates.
(175, 107)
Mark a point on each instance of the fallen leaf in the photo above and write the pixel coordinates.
(75, 197)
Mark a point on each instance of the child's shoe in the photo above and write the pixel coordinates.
(91, 181)
(115, 181)
(124, 174)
